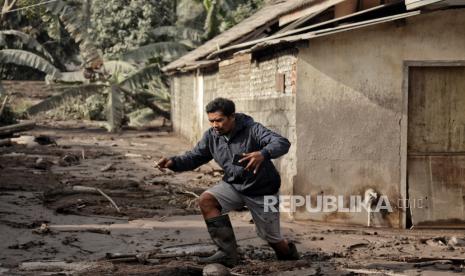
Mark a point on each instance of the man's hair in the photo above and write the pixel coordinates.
(226, 106)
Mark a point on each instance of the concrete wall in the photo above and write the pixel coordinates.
(350, 107)
(251, 84)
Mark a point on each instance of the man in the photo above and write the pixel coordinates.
(234, 136)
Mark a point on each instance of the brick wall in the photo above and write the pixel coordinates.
(251, 84)
(182, 97)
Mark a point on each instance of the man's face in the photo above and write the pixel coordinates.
(220, 123)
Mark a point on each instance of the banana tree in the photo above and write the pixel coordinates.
(42, 60)
(25, 58)
(74, 14)
(25, 41)
(129, 77)
(113, 76)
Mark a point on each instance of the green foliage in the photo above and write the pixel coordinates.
(95, 107)
(64, 94)
(122, 25)
(72, 108)
(241, 12)
(189, 36)
(140, 78)
(119, 67)
(24, 40)
(223, 14)
(74, 14)
(163, 51)
(24, 58)
(38, 24)
(138, 36)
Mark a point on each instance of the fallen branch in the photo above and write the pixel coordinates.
(3, 105)
(54, 266)
(189, 193)
(412, 259)
(90, 230)
(92, 189)
(429, 263)
(150, 256)
(11, 129)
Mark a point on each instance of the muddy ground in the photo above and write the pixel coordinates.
(50, 226)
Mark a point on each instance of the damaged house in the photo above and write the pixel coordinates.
(370, 94)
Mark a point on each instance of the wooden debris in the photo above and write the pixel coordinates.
(357, 245)
(216, 270)
(154, 256)
(5, 142)
(92, 189)
(3, 105)
(43, 229)
(11, 129)
(108, 167)
(133, 155)
(454, 241)
(133, 144)
(429, 263)
(413, 259)
(27, 140)
(189, 193)
(81, 228)
(54, 266)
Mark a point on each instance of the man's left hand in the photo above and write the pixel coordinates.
(255, 161)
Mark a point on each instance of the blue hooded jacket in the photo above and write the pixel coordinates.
(247, 136)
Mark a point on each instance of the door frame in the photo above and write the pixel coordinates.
(407, 64)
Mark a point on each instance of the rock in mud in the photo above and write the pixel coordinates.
(42, 164)
(215, 270)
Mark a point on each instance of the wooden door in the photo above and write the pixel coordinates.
(436, 146)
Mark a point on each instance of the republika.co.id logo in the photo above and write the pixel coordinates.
(372, 202)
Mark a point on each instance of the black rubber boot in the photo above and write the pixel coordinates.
(293, 254)
(222, 234)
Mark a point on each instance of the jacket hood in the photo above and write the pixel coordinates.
(243, 120)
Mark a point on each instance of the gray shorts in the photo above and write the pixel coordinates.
(266, 223)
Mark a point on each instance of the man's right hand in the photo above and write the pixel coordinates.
(164, 163)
